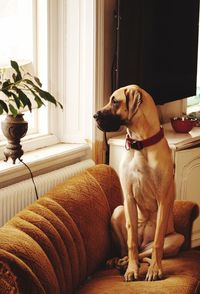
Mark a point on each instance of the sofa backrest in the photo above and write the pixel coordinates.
(56, 243)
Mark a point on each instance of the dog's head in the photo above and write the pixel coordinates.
(122, 106)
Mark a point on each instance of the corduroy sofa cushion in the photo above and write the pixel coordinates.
(182, 276)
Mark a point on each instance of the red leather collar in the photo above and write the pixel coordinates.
(139, 145)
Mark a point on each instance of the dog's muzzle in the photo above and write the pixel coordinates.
(107, 122)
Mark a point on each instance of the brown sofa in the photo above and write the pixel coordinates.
(60, 243)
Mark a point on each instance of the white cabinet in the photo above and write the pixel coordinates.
(186, 156)
(187, 172)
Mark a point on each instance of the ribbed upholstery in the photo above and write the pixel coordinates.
(55, 243)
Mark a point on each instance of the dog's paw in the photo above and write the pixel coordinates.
(154, 273)
(132, 273)
(122, 264)
(122, 261)
(119, 263)
(111, 263)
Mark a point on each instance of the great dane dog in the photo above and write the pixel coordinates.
(143, 226)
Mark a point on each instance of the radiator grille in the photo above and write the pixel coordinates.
(16, 197)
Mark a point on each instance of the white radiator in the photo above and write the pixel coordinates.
(16, 197)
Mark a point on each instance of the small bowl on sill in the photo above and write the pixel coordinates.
(182, 124)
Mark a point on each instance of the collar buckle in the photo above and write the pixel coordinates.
(133, 144)
(137, 145)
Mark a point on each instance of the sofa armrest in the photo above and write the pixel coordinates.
(185, 212)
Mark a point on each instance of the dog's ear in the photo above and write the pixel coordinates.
(133, 101)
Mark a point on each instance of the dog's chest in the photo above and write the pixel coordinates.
(143, 180)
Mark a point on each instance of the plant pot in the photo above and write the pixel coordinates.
(14, 128)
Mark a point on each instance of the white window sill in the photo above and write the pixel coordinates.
(41, 161)
(32, 142)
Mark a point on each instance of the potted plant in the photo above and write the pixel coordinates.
(19, 92)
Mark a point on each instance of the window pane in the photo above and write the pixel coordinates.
(25, 38)
(16, 30)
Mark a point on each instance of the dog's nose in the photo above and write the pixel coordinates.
(97, 115)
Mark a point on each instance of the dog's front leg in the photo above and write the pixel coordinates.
(130, 210)
(155, 271)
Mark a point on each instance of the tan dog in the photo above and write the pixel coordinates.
(143, 226)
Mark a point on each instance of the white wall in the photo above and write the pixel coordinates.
(171, 109)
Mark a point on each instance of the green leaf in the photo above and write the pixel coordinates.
(7, 84)
(24, 99)
(38, 81)
(13, 110)
(29, 82)
(4, 106)
(1, 110)
(38, 100)
(45, 95)
(61, 106)
(6, 92)
(17, 101)
(14, 76)
(15, 66)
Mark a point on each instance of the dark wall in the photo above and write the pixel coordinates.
(157, 43)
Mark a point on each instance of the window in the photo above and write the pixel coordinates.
(23, 29)
(193, 103)
(63, 56)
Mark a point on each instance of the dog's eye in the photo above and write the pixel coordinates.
(115, 101)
